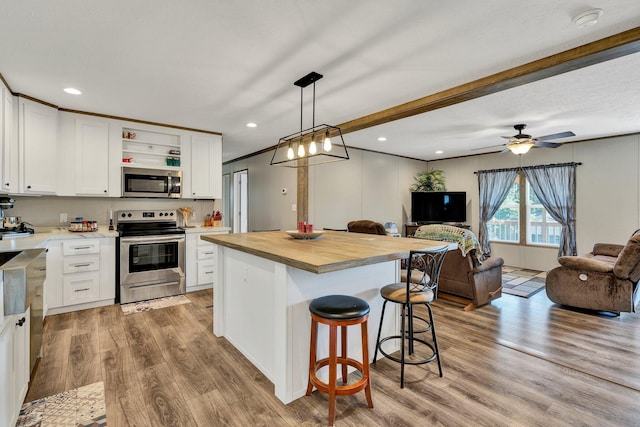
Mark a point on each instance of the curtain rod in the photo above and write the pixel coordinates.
(519, 168)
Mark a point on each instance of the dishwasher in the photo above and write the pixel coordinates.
(23, 276)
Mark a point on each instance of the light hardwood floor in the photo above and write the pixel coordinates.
(516, 362)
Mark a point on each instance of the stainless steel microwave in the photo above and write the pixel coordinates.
(160, 183)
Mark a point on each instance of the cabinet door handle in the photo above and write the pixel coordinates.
(81, 265)
(208, 253)
(21, 322)
(77, 248)
(28, 187)
(105, 191)
(81, 290)
(6, 184)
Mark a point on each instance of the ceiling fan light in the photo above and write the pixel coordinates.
(312, 147)
(290, 153)
(301, 150)
(520, 148)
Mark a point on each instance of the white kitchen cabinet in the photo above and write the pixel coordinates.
(205, 170)
(80, 274)
(38, 134)
(92, 157)
(8, 395)
(200, 260)
(14, 366)
(21, 365)
(8, 143)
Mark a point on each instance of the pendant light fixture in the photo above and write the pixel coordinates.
(313, 146)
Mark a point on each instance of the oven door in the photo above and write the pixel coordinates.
(151, 267)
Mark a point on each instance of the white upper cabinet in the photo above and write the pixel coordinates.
(206, 167)
(38, 128)
(92, 157)
(8, 143)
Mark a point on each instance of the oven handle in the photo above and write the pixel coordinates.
(152, 239)
(155, 285)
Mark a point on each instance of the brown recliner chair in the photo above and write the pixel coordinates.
(605, 279)
(366, 226)
(464, 278)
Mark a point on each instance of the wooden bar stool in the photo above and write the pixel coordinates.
(342, 311)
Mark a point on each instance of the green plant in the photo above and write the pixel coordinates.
(431, 180)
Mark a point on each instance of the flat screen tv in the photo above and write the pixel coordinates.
(439, 207)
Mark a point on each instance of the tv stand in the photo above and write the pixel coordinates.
(410, 228)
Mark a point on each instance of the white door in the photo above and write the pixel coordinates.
(240, 206)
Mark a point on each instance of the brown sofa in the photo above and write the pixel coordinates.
(464, 278)
(366, 226)
(605, 279)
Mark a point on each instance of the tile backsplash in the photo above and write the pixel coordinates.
(45, 211)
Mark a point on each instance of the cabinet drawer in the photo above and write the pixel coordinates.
(80, 288)
(206, 271)
(78, 264)
(206, 252)
(80, 246)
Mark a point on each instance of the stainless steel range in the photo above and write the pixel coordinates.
(150, 255)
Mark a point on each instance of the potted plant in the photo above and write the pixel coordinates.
(431, 180)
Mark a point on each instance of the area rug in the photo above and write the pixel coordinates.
(522, 282)
(80, 407)
(153, 304)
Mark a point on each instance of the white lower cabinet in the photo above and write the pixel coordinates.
(200, 261)
(80, 274)
(14, 366)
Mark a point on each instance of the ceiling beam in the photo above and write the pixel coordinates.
(616, 46)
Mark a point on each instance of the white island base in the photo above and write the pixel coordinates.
(262, 308)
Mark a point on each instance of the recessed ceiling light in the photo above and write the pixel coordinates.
(382, 139)
(72, 91)
(252, 125)
(587, 18)
(439, 152)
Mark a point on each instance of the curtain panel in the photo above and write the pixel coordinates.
(493, 188)
(555, 187)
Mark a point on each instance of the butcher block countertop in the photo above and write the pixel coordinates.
(333, 251)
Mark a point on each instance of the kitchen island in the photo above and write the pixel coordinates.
(266, 280)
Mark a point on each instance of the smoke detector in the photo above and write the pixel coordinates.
(587, 18)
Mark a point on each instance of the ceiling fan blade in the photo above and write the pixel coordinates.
(556, 136)
(484, 148)
(547, 144)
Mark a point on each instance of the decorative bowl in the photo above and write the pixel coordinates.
(305, 236)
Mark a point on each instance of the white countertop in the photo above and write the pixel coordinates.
(39, 239)
(203, 229)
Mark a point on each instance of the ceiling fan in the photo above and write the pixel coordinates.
(521, 143)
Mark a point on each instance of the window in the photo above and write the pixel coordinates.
(505, 224)
(522, 214)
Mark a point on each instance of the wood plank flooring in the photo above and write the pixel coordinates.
(515, 362)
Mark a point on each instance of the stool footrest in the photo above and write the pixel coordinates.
(341, 390)
(408, 362)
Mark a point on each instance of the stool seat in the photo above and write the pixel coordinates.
(339, 307)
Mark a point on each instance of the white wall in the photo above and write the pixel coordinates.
(376, 186)
(368, 186)
(607, 193)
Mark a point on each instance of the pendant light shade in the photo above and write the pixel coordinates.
(304, 148)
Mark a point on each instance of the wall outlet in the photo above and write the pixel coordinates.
(294, 207)
(63, 217)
